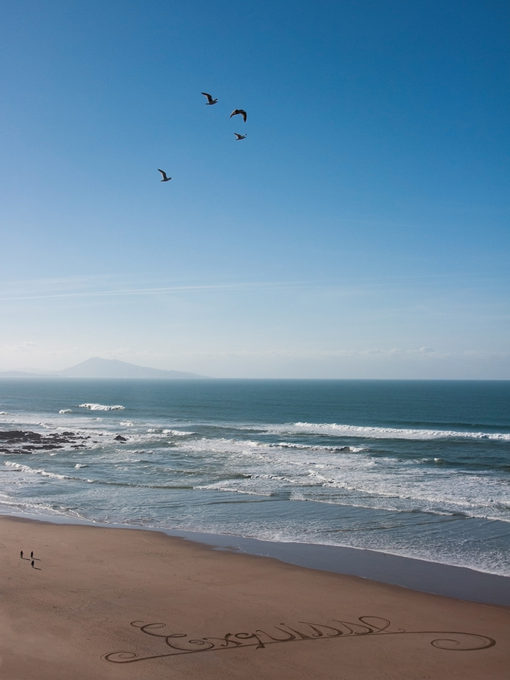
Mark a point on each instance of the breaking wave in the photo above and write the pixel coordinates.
(103, 407)
(334, 429)
(34, 471)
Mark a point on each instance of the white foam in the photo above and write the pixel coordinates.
(308, 447)
(178, 433)
(102, 407)
(65, 410)
(34, 471)
(232, 487)
(344, 430)
(382, 482)
(283, 450)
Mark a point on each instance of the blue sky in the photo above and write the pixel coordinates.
(360, 230)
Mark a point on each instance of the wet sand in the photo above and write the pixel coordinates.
(429, 577)
(121, 603)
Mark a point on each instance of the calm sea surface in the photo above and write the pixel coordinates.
(412, 468)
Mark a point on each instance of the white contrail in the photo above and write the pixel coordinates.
(150, 291)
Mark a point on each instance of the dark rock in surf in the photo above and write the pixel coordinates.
(26, 441)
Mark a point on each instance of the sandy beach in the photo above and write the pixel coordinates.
(122, 603)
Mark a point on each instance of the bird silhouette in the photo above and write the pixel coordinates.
(165, 176)
(239, 136)
(210, 101)
(239, 112)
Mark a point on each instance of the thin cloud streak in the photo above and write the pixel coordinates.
(154, 291)
(85, 287)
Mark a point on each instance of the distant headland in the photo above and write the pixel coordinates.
(99, 368)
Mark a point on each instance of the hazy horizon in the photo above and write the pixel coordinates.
(360, 231)
(61, 372)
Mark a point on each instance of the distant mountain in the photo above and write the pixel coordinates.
(113, 368)
(104, 368)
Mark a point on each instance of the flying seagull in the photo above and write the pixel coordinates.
(210, 101)
(165, 176)
(239, 137)
(239, 112)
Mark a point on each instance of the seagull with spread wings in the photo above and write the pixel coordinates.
(210, 101)
(239, 136)
(165, 176)
(239, 112)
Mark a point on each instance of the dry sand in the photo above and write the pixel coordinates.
(118, 603)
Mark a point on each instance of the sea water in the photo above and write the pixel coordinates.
(411, 468)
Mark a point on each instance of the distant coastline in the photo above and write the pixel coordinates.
(97, 368)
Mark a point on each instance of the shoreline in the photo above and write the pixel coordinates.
(121, 604)
(419, 575)
(423, 576)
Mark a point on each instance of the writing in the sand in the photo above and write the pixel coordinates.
(176, 643)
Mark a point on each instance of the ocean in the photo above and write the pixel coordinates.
(415, 469)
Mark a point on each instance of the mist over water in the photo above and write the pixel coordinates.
(414, 468)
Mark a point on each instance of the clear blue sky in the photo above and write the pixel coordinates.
(360, 230)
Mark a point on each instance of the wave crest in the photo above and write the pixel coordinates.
(102, 407)
(392, 432)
